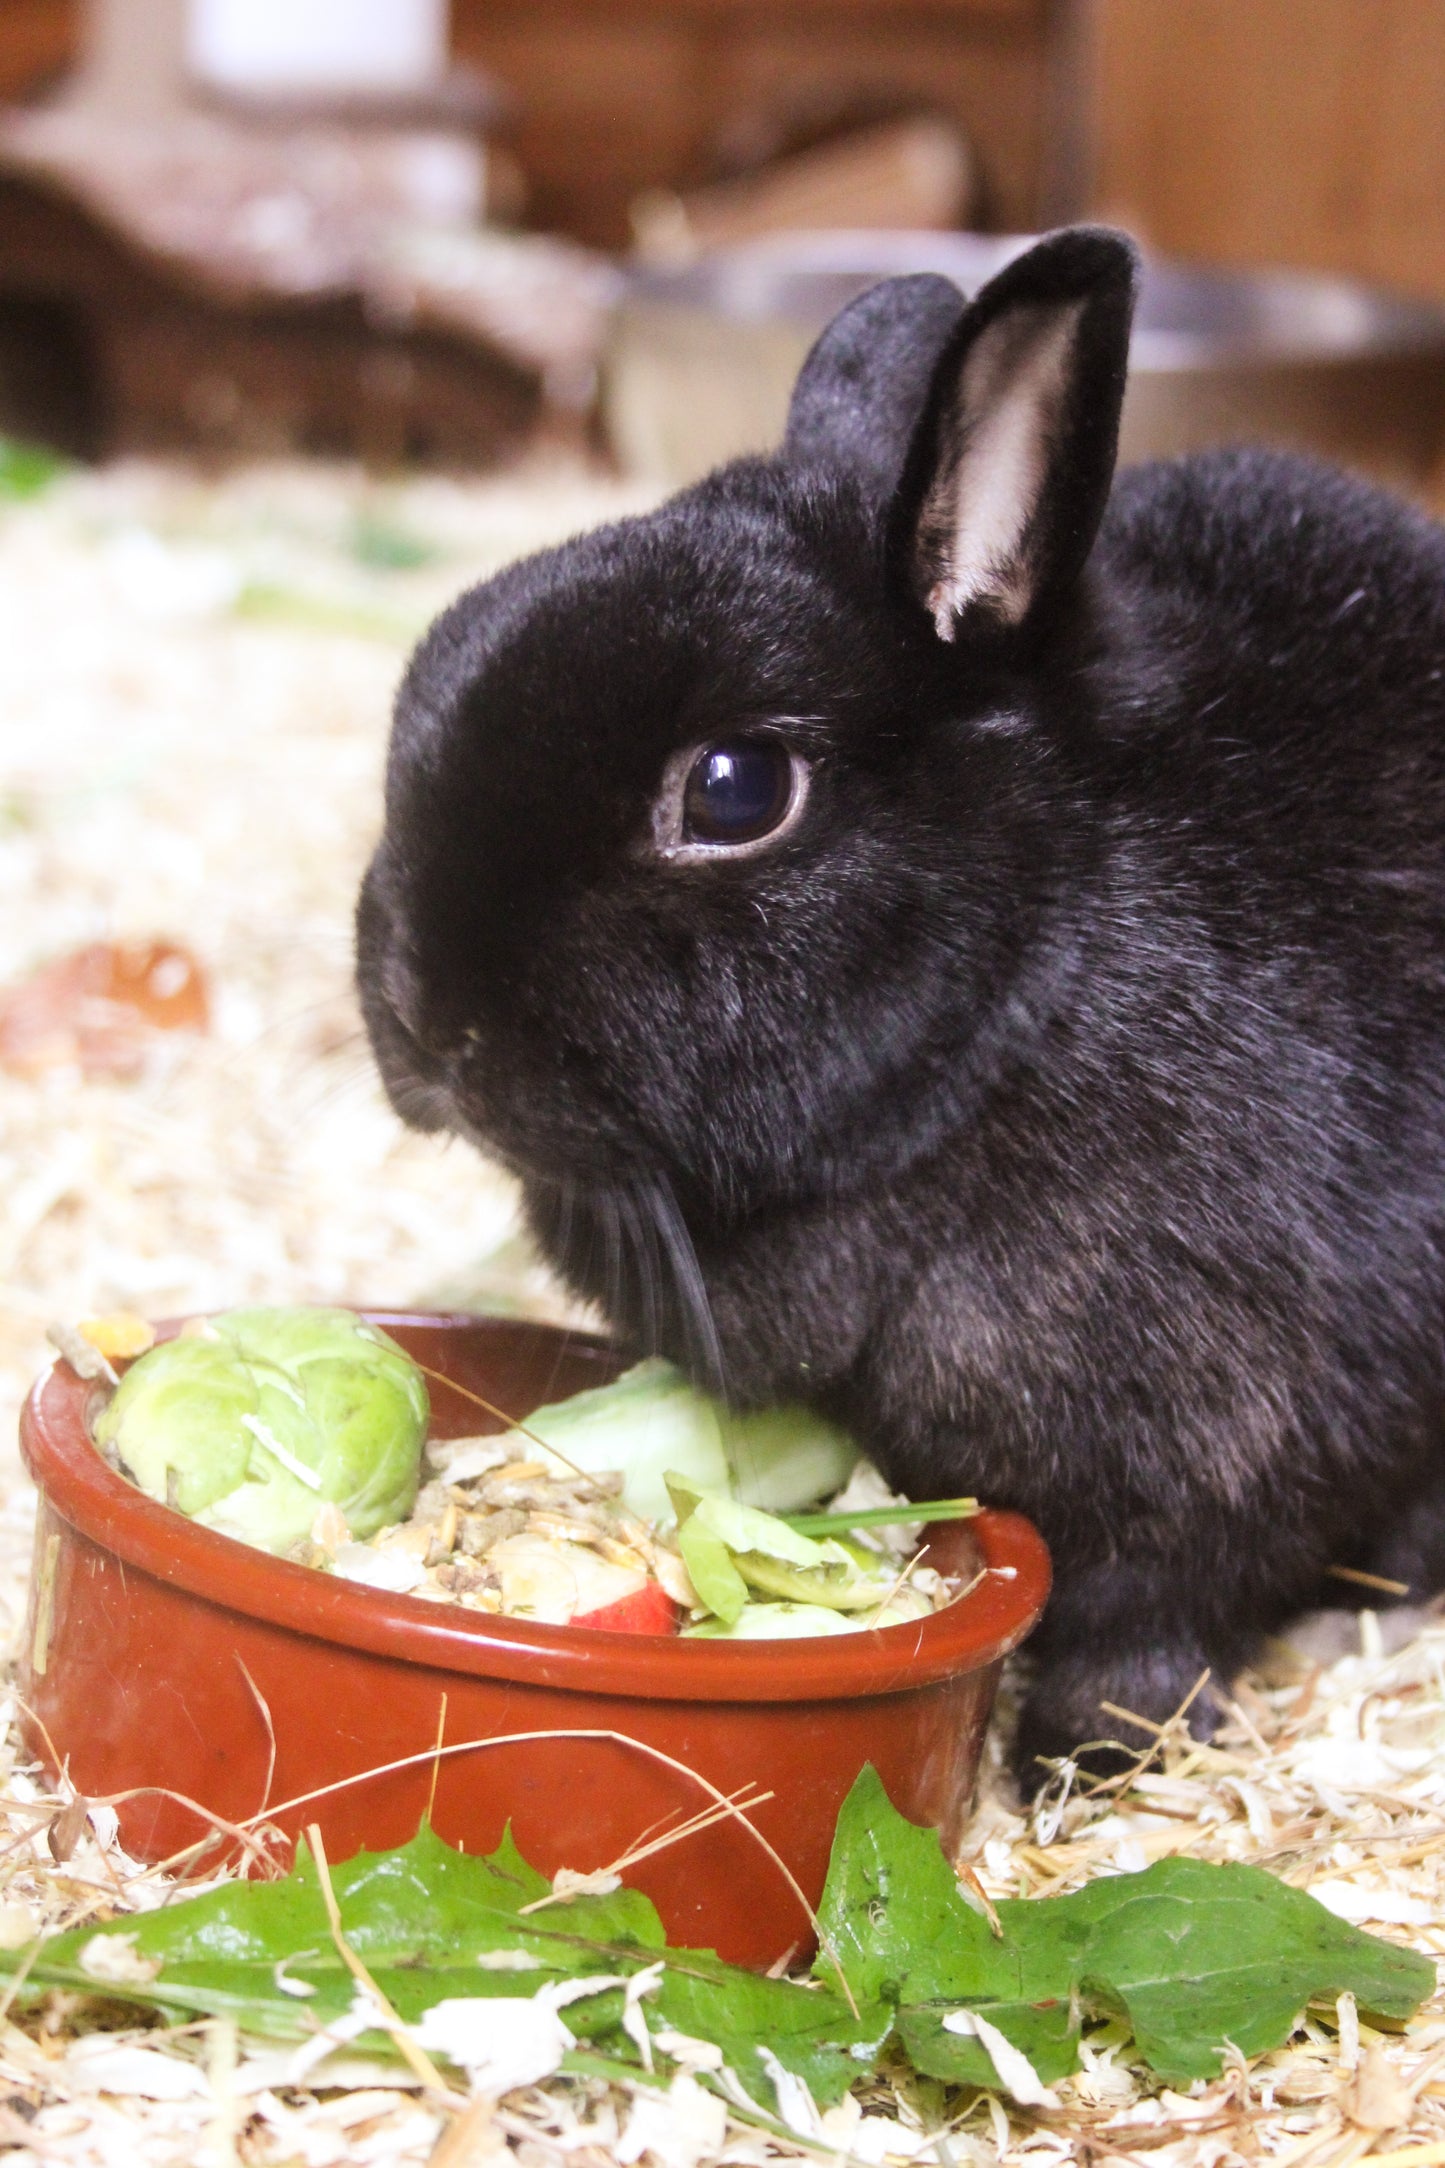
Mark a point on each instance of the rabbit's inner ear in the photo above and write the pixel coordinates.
(997, 435)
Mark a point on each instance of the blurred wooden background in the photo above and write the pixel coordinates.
(1277, 131)
(1240, 131)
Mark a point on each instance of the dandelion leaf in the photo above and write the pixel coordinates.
(424, 1919)
(812, 2032)
(1192, 1955)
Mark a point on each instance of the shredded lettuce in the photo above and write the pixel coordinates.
(651, 1420)
(731, 1550)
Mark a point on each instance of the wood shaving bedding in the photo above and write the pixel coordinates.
(195, 677)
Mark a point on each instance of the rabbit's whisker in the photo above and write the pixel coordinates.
(698, 1323)
(611, 1255)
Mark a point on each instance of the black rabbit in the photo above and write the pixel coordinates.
(945, 941)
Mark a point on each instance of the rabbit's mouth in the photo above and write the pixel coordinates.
(617, 1236)
(513, 1120)
(427, 1089)
(417, 1081)
(423, 1101)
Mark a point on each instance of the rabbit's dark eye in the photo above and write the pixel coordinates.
(736, 793)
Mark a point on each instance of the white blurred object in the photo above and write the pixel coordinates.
(161, 579)
(440, 179)
(138, 56)
(306, 47)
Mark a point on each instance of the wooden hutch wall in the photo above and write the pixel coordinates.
(1304, 132)
(37, 40)
(620, 95)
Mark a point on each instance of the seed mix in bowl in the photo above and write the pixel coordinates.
(503, 1530)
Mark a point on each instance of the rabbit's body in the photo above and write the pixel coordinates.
(1061, 1099)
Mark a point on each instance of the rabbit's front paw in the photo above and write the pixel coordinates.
(1071, 1712)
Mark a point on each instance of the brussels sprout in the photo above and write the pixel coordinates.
(253, 1424)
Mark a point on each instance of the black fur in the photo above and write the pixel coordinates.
(1062, 1101)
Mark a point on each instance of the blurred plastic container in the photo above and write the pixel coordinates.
(702, 359)
(292, 48)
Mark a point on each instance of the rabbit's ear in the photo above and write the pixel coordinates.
(1011, 463)
(862, 388)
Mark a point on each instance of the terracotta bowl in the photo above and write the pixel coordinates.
(161, 1659)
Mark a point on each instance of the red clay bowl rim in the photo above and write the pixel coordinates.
(969, 1634)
